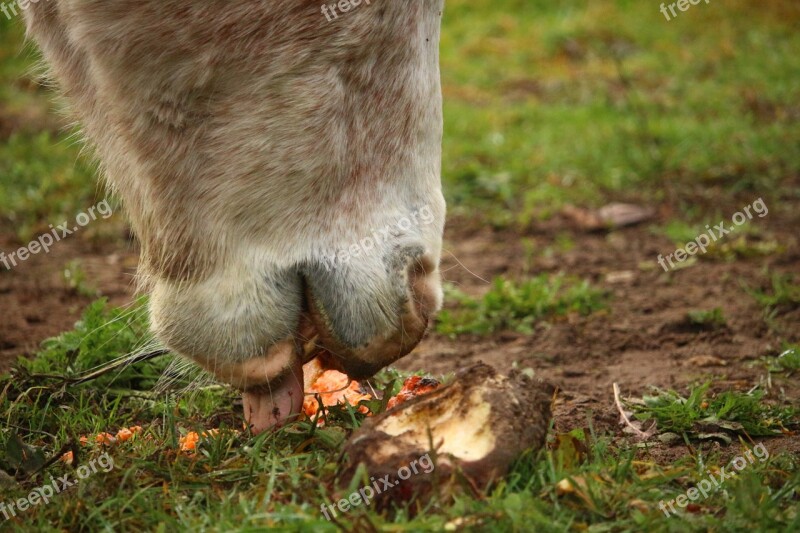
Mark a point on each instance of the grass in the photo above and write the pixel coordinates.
(75, 279)
(747, 242)
(42, 178)
(782, 295)
(42, 181)
(101, 331)
(712, 318)
(701, 413)
(237, 482)
(788, 361)
(517, 306)
(639, 95)
(544, 105)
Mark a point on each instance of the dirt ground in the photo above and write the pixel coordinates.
(642, 339)
(37, 302)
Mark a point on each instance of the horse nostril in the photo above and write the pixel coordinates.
(423, 265)
(425, 286)
(371, 313)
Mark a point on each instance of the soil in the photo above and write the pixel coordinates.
(641, 340)
(37, 301)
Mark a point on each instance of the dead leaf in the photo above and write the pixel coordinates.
(611, 216)
(571, 451)
(619, 215)
(639, 505)
(7, 482)
(577, 487)
(670, 439)
(719, 437)
(24, 457)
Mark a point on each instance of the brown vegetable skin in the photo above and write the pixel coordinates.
(474, 429)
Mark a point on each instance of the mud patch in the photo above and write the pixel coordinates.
(37, 302)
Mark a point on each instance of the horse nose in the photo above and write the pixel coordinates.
(371, 312)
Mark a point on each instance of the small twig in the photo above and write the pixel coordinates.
(85, 378)
(69, 446)
(644, 435)
(314, 393)
(30, 430)
(387, 395)
(5, 392)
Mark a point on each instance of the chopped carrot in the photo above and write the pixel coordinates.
(413, 387)
(331, 386)
(188, 443)
(337, 388)
(106, 439)
(334, 388)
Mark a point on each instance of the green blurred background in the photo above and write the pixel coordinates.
(546, 103)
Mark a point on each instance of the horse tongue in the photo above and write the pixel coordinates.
(272, 406)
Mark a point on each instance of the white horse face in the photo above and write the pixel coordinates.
(280, 166)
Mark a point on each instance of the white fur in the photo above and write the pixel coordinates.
(247, 140)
